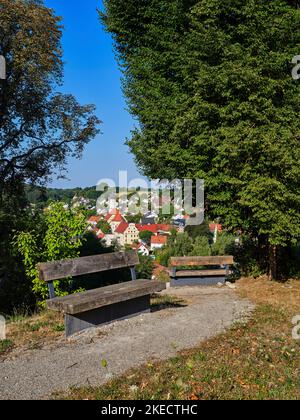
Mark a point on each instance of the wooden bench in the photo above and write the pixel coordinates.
(106, 304)
(204, 276)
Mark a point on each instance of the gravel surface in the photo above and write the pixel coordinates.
(36, 374)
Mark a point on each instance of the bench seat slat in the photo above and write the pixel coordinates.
(104, 296)
(200, 273)
(201, 261)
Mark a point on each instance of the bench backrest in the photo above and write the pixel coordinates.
(57, 270)
(201, 261)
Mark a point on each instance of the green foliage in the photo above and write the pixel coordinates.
(41, 195)
(58, 236)
(134, 218)
(182, 245)
(5, 345)
(201, 247)
(199, 230)
(225, 244)
(146, 236)
(210, 84)
(145, 268)
(39, 126)
(104, 226)
(39, 129)
(15, 289)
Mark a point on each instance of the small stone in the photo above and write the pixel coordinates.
(133, 388)
(231, 285)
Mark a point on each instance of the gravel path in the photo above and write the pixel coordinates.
(126, 344)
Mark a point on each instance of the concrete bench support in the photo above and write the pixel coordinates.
(197, 281)
(106, 314)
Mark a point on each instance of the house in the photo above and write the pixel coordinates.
(115, 220)
(127, 233)
(94, 220)
(100, 235)
(158, 242)
(142, 249)
(111, 215)
(216, 229)
(149, 219)
(155, 229)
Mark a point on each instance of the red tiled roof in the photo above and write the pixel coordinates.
(122, 227)
(213, 227)
(118, 218)
(94, 219)
(154, 228)
(165, 228)
(139, 245)
(159, 240)
(112, 213)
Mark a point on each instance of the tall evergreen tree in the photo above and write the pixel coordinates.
(210, 84)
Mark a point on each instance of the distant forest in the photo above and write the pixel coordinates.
(40, 195)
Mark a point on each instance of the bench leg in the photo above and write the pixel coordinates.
(106, 315)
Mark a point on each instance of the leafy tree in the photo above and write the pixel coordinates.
(199, 230)
(15, 288)
(134, 218)
(210, 83)
(59, 235)
(201, 247)
(145, 268)
(39, 127)
(104, 226)
(225, 244)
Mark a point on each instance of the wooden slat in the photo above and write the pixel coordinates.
(200, 273)
(201, 261)
(57, 270)
(93, 299)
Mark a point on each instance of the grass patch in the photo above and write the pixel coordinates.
(34, 332)
(160, 302)
(254, 361)
(5, 345)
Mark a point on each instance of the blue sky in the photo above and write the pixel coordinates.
(92, 75)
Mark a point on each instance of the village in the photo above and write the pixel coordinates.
(145, 237)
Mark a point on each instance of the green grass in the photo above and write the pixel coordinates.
(159, 302)
(5, 345)
(58, 328)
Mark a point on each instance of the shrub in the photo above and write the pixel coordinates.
(58, 236)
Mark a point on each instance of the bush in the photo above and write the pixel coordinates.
(145, 268)
(59, 235)
(201, 247)
(225, 245)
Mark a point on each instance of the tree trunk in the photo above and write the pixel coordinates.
(273, 256)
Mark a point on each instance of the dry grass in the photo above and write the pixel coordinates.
(259, 360)
(263, 291)
(47, 327)
(32, 332)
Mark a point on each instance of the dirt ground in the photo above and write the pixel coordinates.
(97, 355)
